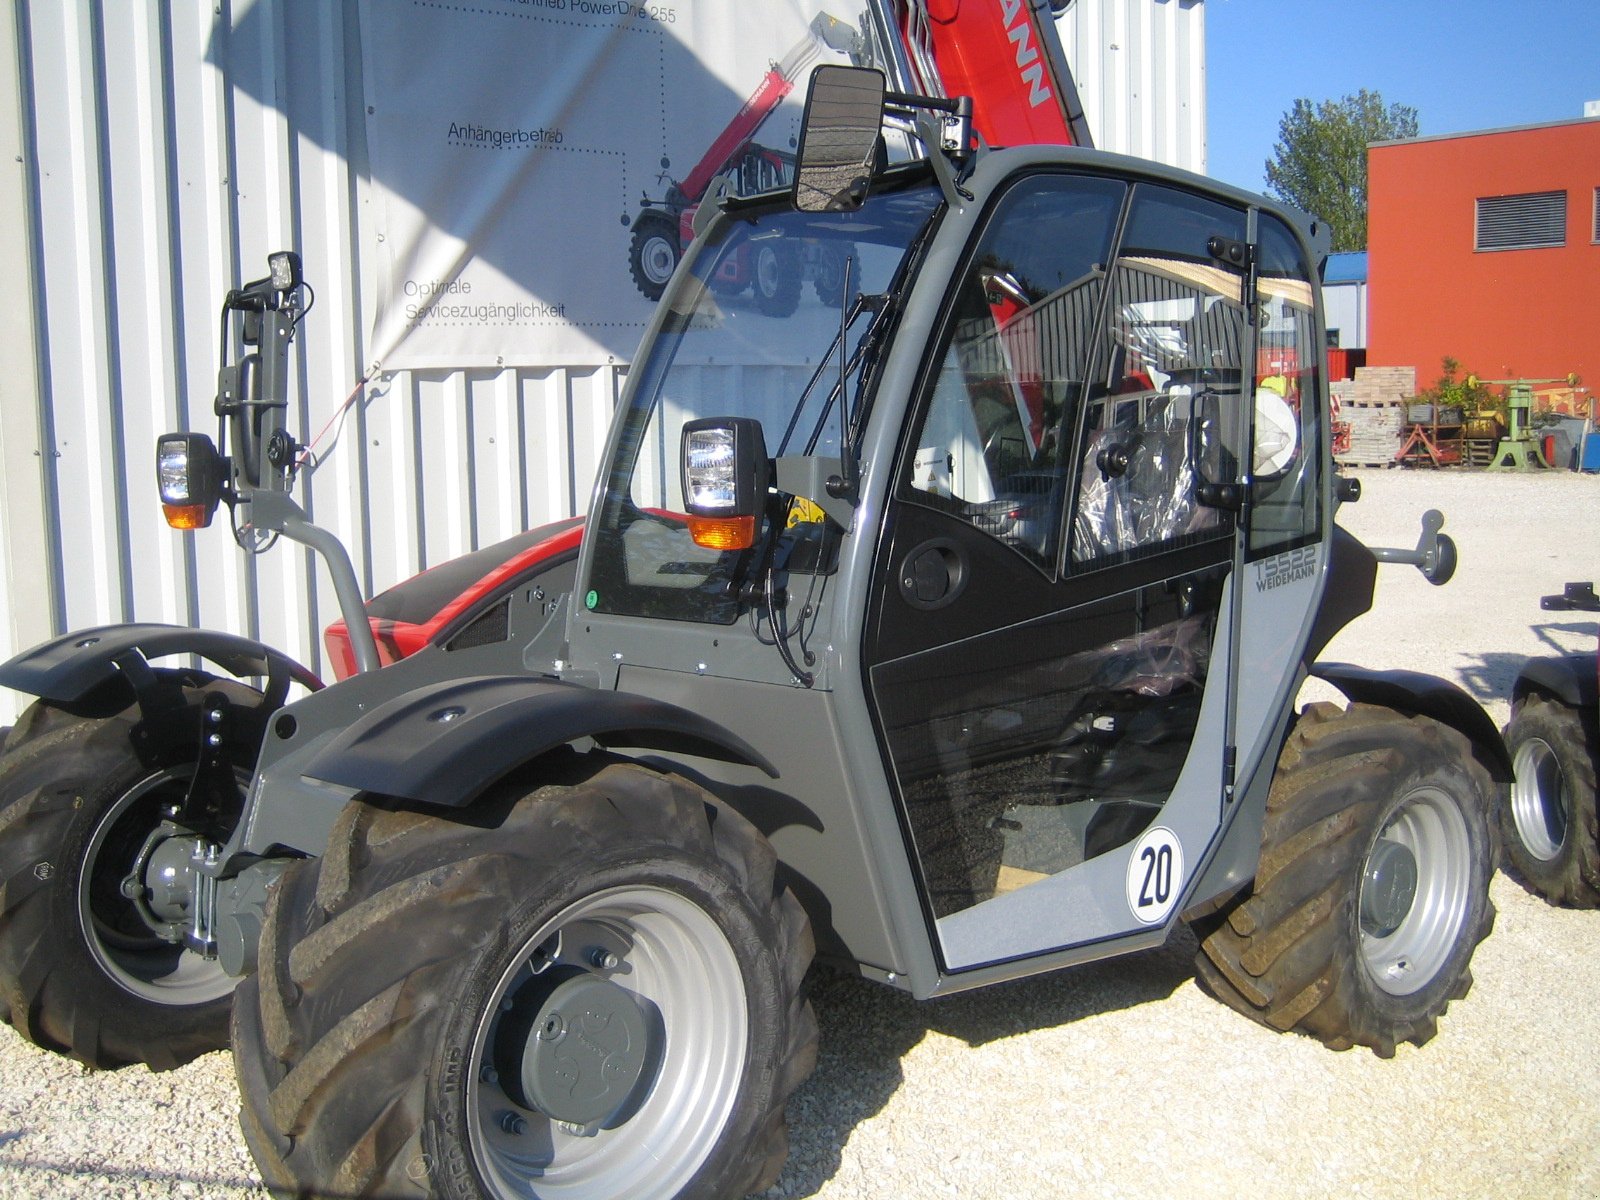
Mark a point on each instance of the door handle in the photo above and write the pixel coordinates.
(933, 574)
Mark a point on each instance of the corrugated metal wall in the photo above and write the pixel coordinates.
(149, 174)
(1140, 70)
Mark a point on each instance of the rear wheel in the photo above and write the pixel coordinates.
(92, 811)
(596, 994)
(776, 275)
(1372, 891)
(1550, 827)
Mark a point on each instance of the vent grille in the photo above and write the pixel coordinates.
(1597, 215)
(1522, 222)
(493, 626)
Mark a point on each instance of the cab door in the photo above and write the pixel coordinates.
(1048, 630)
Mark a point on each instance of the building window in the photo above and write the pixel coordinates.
(1522, 222)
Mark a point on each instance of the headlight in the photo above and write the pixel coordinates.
(189, 475)
(725, 472)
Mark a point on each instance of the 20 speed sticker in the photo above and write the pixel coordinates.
(1155, 875)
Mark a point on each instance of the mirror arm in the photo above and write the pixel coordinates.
(808, 476)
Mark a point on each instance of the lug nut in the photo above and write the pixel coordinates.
(603, 959)
(489, 1074)
(513, 1123)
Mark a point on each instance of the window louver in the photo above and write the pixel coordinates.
(1522, 222)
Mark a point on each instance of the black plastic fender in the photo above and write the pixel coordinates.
(1570, 678)
(443, 744)
(1423, 695)
(68, 668)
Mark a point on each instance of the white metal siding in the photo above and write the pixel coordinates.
(159, 151)
(1140, 70)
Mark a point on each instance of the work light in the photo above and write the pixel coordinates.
(189, 474)
(725, 471)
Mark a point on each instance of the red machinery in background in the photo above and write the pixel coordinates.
(1004, 54)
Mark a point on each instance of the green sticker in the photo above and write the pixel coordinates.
(592, 599)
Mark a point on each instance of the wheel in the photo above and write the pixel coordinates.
(828, 273)
(1373, 885)
(83, 970)
(775, 277)
(653, 252)
(1551, 832)
(592, 990)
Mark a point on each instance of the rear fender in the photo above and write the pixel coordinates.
(76, 666)
(445, 743)
(1416, 694)
(1570, 678)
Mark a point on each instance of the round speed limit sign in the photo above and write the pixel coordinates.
(1155, 875)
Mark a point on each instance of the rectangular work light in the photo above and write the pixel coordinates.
(189, 475)
(725, 471)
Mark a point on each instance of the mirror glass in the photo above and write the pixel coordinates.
(838, 139)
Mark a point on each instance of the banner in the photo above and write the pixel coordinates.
(532, 160)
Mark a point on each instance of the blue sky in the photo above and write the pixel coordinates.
(1462, 64)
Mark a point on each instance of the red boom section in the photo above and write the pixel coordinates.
(995, 52)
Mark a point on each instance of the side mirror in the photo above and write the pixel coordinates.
(839, 139)
(725, 478)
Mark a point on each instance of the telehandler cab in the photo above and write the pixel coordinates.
(951, 633)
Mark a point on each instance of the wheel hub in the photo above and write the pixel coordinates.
(573, 1047)
(170, 881)
(1389, 888)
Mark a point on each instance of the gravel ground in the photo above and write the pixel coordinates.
(1121, 1079)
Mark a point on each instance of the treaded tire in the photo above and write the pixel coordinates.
(776, 273)
(79, 972)
(653, 253)
(1549, 823)
(1312, 945)
(363, 1044)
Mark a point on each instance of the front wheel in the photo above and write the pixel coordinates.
(101, 820)
(594, 991)
(1550, 826)
(653, 253)
(1373, 886)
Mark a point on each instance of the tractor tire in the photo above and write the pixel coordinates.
(1373, 886)
(776, 273)
(653, 253)
(414, 1026)
(828, 272)
(81, 973)
(1550, 827)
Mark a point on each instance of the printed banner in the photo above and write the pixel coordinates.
(532, 160)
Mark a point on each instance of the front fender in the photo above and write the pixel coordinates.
(1423, 695)
(68, 668)
(445, 743)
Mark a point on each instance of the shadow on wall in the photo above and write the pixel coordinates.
(620, 112)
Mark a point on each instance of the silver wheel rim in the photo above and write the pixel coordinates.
(138, 961)
(674, 959)
(1432, 829)
(658, 259)
(767, 270)
(1539, 805)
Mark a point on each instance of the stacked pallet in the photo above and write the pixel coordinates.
(1374, 406)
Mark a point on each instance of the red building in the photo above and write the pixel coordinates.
(1485, 247)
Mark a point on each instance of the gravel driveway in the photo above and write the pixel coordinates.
(1121, 1079)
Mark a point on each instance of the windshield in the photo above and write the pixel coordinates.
(754, 331)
